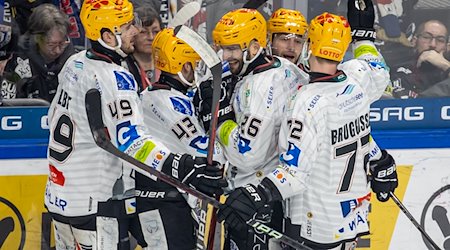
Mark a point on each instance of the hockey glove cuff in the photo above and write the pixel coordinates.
(361, 17)
(195, 172)
(384, 176)
(203, 103)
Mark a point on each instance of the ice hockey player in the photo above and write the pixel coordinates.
(324, 138)
(286, 31)
(250, 140)
(171, 117)
(90, 194)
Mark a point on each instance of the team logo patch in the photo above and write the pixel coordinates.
(181, 105)
(200, 143)
(126, 135)
(124, 81)
(291, 156)
(243, 145)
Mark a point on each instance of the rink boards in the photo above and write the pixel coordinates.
(418, 134)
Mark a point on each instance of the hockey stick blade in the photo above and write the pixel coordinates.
(414, 221)
(253, 4)
(188, 11)
(101, 138)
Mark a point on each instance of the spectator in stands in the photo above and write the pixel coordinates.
(419, 77)
(42, 52)
(151, 25)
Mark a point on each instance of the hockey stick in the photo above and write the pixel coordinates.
(102, 139)
(183, 15)
(414, 221)
(213, 62)
(253, 4)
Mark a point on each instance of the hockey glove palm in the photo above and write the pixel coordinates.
(384, 176)
(361, 17)
(195, 172)
(203, 102)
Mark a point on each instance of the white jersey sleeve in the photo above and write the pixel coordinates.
(81, 173)
(325, 150)
(369, 68)
(171, 118)
(251, 144)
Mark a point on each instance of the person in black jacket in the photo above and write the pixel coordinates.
(427, 66)
(42, 52)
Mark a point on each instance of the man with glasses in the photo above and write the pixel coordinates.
(429, 65)
(42, 52)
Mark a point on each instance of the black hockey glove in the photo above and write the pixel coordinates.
(361, 17)
(203, 102)
(248, 202)
(384, 176)
(196, 172)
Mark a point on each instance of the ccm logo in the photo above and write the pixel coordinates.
(386, 172)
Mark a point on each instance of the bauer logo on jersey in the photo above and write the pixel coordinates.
(124, 81)
(126, 135)
(291, 156)
(243, 145)
(181, 105)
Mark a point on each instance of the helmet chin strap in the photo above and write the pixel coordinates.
(190, 84)
(304, 56)
(117, 48)
(247, 62)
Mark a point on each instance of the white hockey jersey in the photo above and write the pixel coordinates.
(81, 173)
(325, 143)
(251, 144)
(173, 121)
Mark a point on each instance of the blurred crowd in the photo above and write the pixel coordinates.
(38, 37)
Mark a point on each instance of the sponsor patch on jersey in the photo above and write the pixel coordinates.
(126, 134)
(347, 90)
(70, 75)
(269, 97)
(130, 205)
(54, 200)
(291, 156)
(181, 105)
(349, 205)
(157, 158)
(144, 151)
(124, 81)
(243, 145)
(78, 64)
(200, 143)
(56, 176)
(279, 176)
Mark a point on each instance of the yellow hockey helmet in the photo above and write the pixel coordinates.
(96, 15)
(240, 26)
(329, 36)
(171, 53)
(287, 21)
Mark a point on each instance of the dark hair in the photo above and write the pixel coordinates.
(45, 17)
(421, 27)
(148, 15)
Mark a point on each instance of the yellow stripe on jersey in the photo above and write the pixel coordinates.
(225, 130)
(365, 49)
(142, 154)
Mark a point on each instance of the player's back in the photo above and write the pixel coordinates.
(81, 173)
(329, 137)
